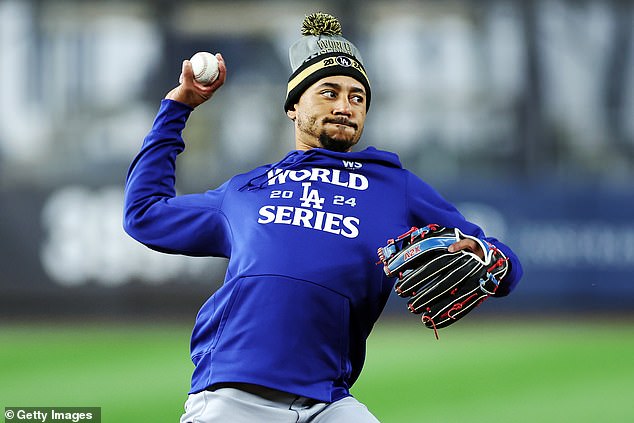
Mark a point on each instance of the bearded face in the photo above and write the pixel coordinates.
(330, 114)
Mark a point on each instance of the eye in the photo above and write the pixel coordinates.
(329, 93)
(359, 99)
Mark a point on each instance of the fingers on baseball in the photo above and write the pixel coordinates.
(222, 74)
(187, 74)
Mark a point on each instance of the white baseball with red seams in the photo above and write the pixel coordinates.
(205, 67)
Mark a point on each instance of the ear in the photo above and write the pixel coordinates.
(292, 114)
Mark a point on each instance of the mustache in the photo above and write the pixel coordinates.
(341, 121)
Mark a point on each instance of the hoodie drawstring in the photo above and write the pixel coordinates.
(287, 163)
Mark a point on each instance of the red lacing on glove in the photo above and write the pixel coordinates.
(433, 226)
(433, 324)
(499, 262)
(406, 234)
(459, 306)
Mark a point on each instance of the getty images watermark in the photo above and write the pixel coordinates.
(52, 414)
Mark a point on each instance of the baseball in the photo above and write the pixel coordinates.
(205, 67)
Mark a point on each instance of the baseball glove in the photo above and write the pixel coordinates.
(441, 285)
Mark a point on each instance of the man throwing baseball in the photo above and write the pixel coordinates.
(283, 340)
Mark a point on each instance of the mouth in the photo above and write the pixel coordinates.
(342, 122)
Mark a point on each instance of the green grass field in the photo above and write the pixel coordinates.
(479, 371)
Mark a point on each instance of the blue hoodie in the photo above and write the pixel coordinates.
(302, 289)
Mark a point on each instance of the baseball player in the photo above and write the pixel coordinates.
(283, 339)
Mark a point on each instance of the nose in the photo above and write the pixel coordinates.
(342, 106)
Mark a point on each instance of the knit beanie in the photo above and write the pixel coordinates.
(320, 52)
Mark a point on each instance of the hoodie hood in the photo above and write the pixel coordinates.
(321, 157)
(370, 154)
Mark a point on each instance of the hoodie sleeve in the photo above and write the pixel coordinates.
(153, 214)
(427, 206)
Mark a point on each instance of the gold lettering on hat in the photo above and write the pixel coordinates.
(334, 46)
(327, 62)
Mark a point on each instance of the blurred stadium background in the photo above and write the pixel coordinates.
(519, 112)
